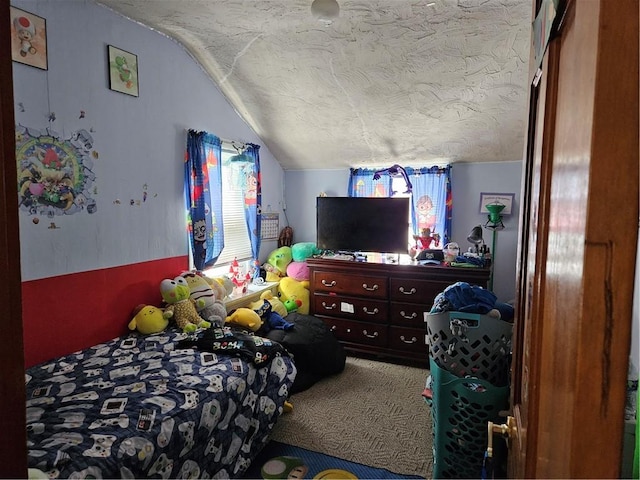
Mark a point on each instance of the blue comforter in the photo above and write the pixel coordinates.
(139, 406)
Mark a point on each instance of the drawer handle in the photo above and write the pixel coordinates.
(370, 289)
(373, 312)
(413, 339)
(409, 317)
(410, 292)
(373, 335)
(329, 307)
(332, 283)
(333, 328)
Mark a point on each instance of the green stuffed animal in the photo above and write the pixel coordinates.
(180, 306)
(302, 250)
(148, 319)
(279, 259)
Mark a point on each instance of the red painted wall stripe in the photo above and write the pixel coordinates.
(67, 313)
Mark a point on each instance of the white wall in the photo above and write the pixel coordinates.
(138, 142)
(468, 180)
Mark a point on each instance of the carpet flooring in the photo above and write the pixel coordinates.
(279, 460)
(372, 413)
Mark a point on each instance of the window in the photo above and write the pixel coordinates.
(236, 238)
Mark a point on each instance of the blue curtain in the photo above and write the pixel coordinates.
(203, 195)
(362, 184)
(253, 203)
(431, 201)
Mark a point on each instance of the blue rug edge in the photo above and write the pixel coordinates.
(275, 448)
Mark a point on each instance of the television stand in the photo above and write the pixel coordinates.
(378, 308)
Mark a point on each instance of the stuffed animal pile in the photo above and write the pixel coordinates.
(180, 306)
(272, 312)
(288, 266)
(207, 300)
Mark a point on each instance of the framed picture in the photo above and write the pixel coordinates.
(123, 71)
(504, 198)
(28, 38)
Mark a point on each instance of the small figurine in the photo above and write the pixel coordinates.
(239, 280)
(424, 241)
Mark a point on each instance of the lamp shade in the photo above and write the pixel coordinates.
(494, 221)
(475, 236)
(494, 211)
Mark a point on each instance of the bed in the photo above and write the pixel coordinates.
(157, 406)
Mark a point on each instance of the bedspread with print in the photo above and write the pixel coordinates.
(139, 406)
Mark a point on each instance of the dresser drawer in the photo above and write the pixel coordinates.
(358, 332)
(415, 291)
(360, 285)
(407, 314)
(408, 339)
(363, 309)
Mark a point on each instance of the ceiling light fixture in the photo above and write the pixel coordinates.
(325, 10)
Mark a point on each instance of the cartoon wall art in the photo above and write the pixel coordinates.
(28, 38)
(123, 71)
(55, 175)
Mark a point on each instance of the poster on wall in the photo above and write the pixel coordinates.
(55, 174)
(123, 71)
(28, 38)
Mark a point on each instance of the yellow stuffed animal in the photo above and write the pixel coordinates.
(246, 318)
(291, 289)
(148, 319)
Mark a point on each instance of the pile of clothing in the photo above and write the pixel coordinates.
(463, 297)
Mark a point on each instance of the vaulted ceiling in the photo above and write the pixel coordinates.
(414, 82)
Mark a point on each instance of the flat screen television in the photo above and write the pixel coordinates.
(362, 224)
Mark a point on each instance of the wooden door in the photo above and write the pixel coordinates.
(13, 440)
(578, 235)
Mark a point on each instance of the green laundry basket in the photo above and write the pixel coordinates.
(460, 410)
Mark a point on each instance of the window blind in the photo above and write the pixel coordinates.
(236, 237)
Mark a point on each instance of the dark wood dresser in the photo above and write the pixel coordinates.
(378, 308)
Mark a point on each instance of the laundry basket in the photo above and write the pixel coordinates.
(471, 344)
(460, 410)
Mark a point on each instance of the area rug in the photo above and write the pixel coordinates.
(280, 461)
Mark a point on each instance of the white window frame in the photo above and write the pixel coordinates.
(399, 185)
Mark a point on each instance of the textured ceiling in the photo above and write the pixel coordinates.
(413, 82)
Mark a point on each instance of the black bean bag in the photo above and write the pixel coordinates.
(315, 349)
